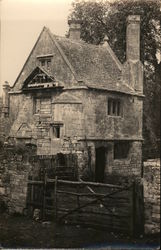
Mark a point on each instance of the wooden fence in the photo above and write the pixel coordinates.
(115, 208)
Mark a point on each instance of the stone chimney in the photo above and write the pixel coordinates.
(74, 29)
(5, 107)
(133, 68)
(133, 38)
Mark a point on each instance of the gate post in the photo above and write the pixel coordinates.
(138, 209)
(133, 209)
(55, 197)
(44, 197)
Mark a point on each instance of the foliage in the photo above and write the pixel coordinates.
(17, 149)
(100, 18)
(106, 17)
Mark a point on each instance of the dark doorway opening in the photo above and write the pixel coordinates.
(100, 164)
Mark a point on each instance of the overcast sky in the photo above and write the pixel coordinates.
(21, 23)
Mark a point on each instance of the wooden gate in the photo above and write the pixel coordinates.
(113, 207)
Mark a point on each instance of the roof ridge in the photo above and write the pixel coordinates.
(63, 55)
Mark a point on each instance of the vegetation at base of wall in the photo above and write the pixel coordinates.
(19, 149)
(100, 18)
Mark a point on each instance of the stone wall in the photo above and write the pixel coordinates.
(130, 166)
(100, 125)
(20, 163)
(116, 170)
(83, 119)
(4, 127)
(151, 182)
(14, 170)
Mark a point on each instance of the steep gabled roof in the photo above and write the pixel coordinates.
(94, 66)
(92, 63)
(97, 66)
(63, 55)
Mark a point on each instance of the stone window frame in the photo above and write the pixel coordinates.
(45, 61)
(55, 130)
(114, 107)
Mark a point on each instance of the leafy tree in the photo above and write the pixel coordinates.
(100, 18)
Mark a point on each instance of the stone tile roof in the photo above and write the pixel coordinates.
(95, 65)
(92, 66)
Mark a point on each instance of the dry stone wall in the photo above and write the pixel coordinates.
(20, 163)
(14, 171)
(130, 166)
(152, 195)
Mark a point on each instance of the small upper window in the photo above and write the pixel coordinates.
(48, 63)
(45, 61)
(42, 63)
(56, 131)
(114, 107)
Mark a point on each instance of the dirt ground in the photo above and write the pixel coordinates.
(23, 232)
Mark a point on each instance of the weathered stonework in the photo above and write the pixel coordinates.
(14, 170)
(18, 165)
(151, 183)
(64, 107)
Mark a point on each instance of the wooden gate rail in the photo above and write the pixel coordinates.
(121, 209)
(94, 194)
(96, 197)
(91, 202)
(35, 182)
(80, 183)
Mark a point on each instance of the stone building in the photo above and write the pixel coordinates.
(73, 97)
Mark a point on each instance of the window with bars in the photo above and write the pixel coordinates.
(45, 63)
(114, 107)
